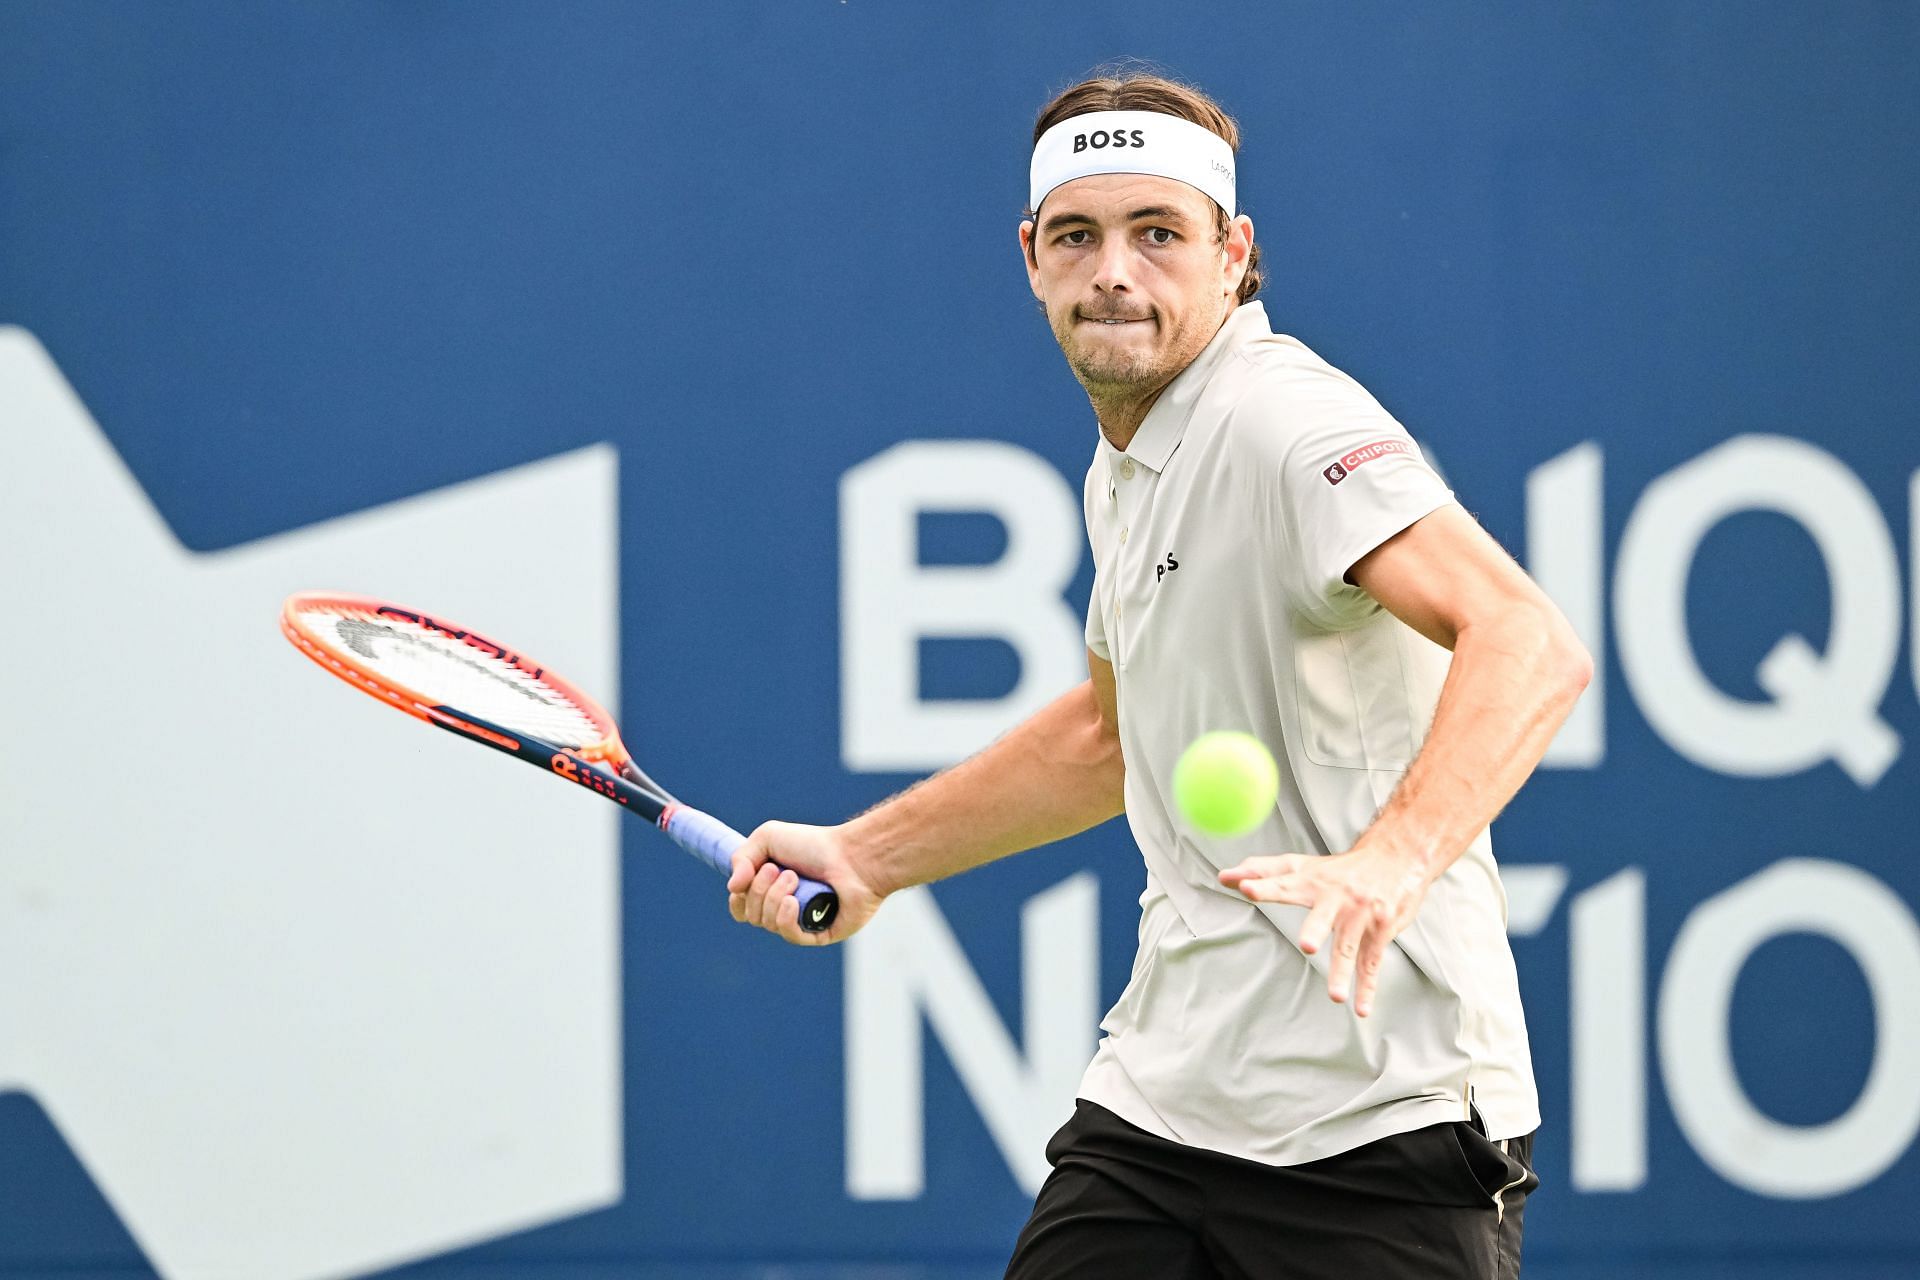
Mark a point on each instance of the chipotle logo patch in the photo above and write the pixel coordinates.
(1362, 456)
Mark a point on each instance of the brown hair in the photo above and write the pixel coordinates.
(1128, 88)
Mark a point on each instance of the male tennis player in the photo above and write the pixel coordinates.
(1319, 1067)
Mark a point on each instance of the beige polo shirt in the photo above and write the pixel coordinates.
(1221, 540)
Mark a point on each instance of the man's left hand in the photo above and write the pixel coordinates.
(1360, 900)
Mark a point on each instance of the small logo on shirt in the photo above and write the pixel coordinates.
(1164, 568)
(1364, 454)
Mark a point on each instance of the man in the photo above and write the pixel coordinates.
(1272, 554)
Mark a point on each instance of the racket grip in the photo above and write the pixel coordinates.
(714, 842)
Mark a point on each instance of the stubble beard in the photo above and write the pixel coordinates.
(1114, 375)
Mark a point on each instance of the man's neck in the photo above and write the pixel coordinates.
(1120, 416)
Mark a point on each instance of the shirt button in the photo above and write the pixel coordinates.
(1126, 469)
(1123, 535)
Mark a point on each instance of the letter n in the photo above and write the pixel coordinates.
(907, 964)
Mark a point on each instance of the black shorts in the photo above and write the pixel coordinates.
(1441, 1202)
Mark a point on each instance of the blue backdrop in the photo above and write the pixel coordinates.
(300, 261)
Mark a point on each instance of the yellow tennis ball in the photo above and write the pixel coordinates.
(1226, 783)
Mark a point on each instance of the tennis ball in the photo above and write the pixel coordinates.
(1225, 783)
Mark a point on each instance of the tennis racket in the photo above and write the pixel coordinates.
(464, 683)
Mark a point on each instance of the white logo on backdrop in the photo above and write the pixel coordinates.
(309, 988)
(1823, 707)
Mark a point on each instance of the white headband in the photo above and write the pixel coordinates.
(1132, 142)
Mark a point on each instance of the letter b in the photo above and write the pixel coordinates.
(889, 601)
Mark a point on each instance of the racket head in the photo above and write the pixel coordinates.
(429, 666)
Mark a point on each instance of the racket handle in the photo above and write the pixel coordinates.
(714, 842)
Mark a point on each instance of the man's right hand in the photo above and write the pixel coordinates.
(760, 892)
(1056, 773)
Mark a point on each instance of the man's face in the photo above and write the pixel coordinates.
(1133, 280)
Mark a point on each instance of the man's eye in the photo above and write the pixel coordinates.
(1075, 237)
(1159, 235)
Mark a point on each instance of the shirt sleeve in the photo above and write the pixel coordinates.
(1344, 477)
(1096, 629)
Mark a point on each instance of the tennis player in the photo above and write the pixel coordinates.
(1319, 1067)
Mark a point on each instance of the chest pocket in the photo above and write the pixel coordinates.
(1355, 696)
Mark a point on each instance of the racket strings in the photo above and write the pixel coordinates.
(445, 671)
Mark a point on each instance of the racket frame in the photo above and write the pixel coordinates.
(604, 767)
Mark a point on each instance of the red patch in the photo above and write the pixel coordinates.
(1364, 454)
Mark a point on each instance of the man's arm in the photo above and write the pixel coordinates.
(1517, 670)
(1055, 774)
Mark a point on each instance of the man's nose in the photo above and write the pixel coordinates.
(1113, 270)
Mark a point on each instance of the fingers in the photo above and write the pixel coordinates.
(1361, 932)
(782, 912)
(787, 921)
(1333, 916)
(760, 892)
(1341, 915)
(1346, 950)
(746, 860)
(1276, 879)
(1373, 954)
(1321, 920)
(771, 886)
(756, 887)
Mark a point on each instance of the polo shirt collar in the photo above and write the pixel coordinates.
(1159, 435)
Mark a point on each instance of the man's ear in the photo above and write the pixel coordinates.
(1027, 254)
(1239, 247)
